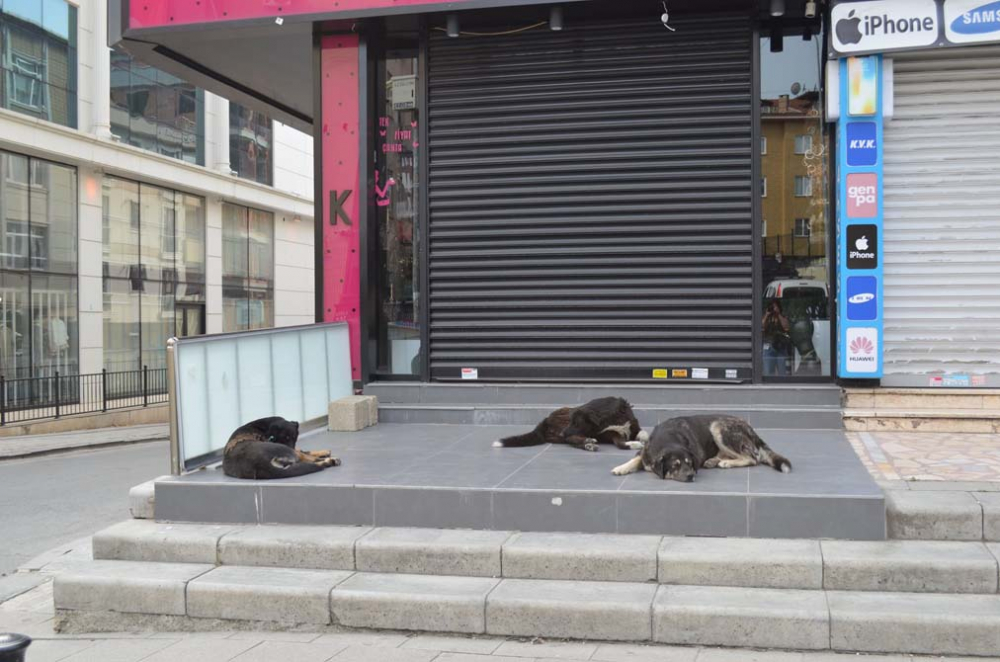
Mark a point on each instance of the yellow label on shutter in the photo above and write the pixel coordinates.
(659, 373)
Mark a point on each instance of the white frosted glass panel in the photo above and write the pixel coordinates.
(223, 392)
(338, 352)
(287, 361)
(315, 402)
(256, 386)
(193, 390)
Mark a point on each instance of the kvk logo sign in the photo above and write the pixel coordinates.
(862, 145)
(862, 298)
(884, 25)
(862, 195)
(862, 350)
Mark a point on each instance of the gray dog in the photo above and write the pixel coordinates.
(680, 446)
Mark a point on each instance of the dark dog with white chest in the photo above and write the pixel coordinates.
(680, 446)
(604, 420)
(265, 449)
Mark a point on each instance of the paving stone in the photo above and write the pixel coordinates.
(269, 651)
(759, 563)
(312, 547)
(264, 594)
(990, 503)
(578, 610)
(431, 551)
(126, 586)
(472, 657)
(365, 654)
(833, 656)
(554, 650)
(200, 649)
(909, 566)
(915, 623)
(730, 655)
(476, 645)
(155, 542)
(412, 602)
(644, 653)
(933, 516)
(114, 650)
(729, 616)
(603, 557)
(364, 638)
(52, 650)
(291, 637)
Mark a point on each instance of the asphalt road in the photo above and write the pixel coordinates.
(52, 500)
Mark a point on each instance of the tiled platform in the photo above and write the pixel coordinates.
(449, 476)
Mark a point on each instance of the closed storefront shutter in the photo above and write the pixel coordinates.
(590, 201)
(942, 219)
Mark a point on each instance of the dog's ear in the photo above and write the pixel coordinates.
(660, 467)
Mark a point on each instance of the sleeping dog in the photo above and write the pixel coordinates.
(604, 420)
(680, 446)
(265, 448)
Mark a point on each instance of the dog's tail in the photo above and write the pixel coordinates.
(766, 455)
(280, 467)
(533, 438)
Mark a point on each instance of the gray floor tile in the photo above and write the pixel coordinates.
(682, 514)
(198, 649)
(553, 650)
(644, 653)
(435, 508)
(580, 512)
(55, 650)
(365, 654)
(454, 644)
(269, 651)
(328, 504)
(817, 517)
(118, 650)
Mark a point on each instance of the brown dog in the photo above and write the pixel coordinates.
(265, 449)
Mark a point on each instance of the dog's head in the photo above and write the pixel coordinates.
(581, 427)
(283, 432)
(676, 464)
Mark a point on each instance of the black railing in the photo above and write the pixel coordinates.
(36, 398)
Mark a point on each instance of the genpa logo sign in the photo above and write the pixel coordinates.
(883, 25)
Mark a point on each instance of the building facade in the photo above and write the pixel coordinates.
(133, 205)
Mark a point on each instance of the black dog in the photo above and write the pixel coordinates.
(680, 446)
(604, 420)
(265, 448)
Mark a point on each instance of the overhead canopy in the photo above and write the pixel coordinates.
(238, 49)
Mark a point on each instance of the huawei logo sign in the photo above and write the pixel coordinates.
(862, 346)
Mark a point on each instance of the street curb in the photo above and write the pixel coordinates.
(69, 444)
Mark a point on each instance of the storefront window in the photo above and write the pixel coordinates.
(38, 64)
(396, 205)
(155, 110)
(250, 144)
(795, 163)
(38, 268)
(154, 271)
(247, 268)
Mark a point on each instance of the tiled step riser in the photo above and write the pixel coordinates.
(529, 394)
(638, 612)
(929, 567)
(812, 419)
(932, 399)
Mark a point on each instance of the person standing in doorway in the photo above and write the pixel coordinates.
(777, 341)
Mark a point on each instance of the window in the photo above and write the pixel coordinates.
(763, 228)
(763, 187)
(247, 268)
(803, 186)
(154, 271)
(763, 145)
(38, 59)
(803, 144)
(155, 110)
(38, 281)
(250, 144)
(802, 227)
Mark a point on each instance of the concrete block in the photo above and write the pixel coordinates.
(757, 563)
(355, 412)
(909, 566)
(741, 617)
(156, 542)
(933, 516)
(990, 503)
(141, 500)
(575, 610)
(313, 547)
(431, 552)
(915, 623)
(126, 586)
(616, 558)
(279, 595)
(412, 602)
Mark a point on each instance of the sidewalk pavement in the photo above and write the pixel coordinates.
(42, 444)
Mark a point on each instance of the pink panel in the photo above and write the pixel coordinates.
(341, 189)
(160, 13)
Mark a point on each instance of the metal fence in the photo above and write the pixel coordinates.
(36, 398)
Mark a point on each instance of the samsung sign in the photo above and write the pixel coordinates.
(878, 26)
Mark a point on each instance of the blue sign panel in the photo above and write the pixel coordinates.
(862, 144)
(862, 298)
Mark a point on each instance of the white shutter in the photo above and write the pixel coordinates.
(942, 217)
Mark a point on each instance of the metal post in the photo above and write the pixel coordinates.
(3, 400)
(145, 392)
(58, 394)
(104, 389)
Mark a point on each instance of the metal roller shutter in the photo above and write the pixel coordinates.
(590, 201)
(942, 218)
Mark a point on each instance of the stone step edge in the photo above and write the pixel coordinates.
(542, 407)
(692, 615)
(953, 567)
(917, 412)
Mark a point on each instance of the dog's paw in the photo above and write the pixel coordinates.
(590, 445)
(635, 445)
(320, 453)
(330, 462)
(497, 444)
(643, 436)
(622, 470)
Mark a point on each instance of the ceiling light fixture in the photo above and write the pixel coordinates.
(556, 19)
(452, 29)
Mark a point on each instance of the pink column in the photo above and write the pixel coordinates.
(342, 189)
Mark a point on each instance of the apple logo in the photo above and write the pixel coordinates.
(862, 243)
(847, 29)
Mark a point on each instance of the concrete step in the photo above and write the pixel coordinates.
(939, 399)
(941, 515)
(899, 566)
(562, 395)
(910, 419)
(812, 417)
(117, 595)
